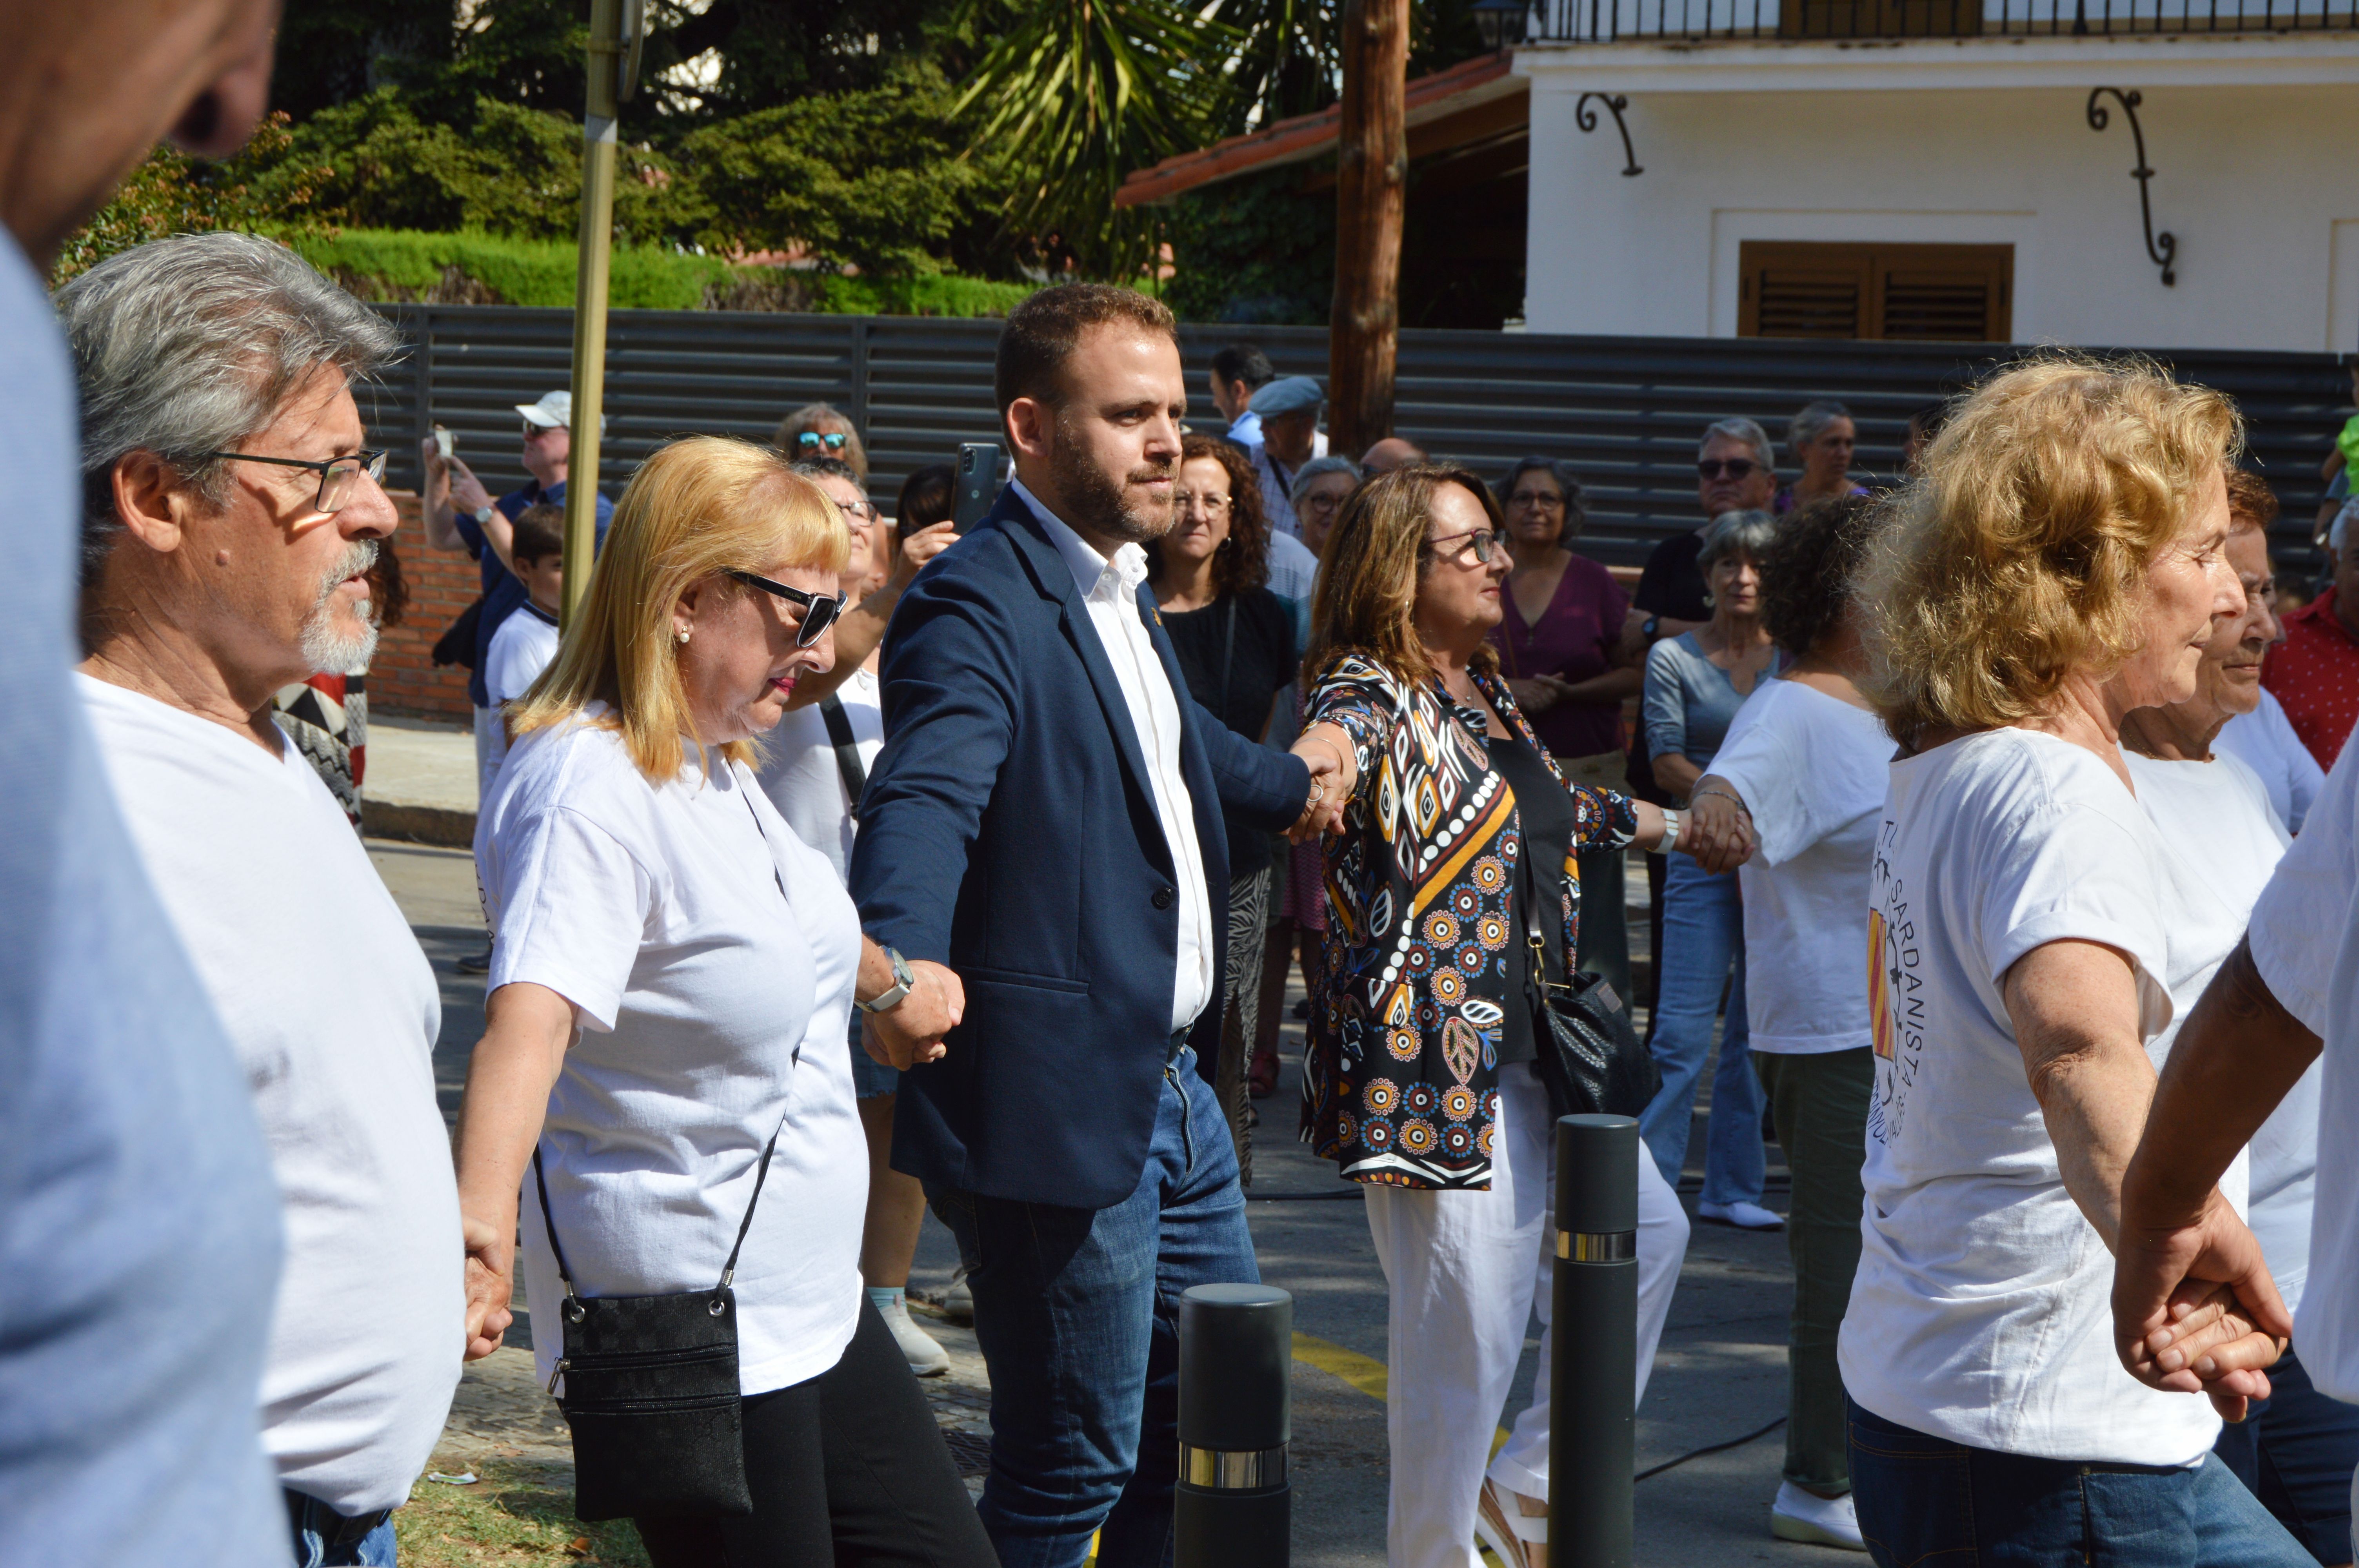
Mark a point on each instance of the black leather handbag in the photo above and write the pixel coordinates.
(651, 1391)
(1592, 1056)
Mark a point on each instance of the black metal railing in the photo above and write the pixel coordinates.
(1617, 21)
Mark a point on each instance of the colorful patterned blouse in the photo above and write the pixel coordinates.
(1402, 1075)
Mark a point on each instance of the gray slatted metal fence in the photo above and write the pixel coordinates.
(1624, 412)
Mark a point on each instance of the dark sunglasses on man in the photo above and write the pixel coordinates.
(819, 609)
(833, 441)
(1726, 468)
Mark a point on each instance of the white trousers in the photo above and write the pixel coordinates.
(1466, 1271)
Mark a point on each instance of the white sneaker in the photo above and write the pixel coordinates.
(926, 1359)
(1743, 1216)
(1798, 1514)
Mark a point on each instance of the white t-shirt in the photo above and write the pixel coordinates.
(2263, 741)
(711, 996)
(520, 650)
(2306, 944)
(799, 773)
(1982, 1311)
(1812, 768)
(333, 1012)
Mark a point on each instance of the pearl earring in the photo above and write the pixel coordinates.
(681, 635)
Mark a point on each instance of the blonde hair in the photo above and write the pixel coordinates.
(698, 508)
(2017, 557)
(1366, 602)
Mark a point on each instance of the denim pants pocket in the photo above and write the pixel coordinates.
(1914, 1494)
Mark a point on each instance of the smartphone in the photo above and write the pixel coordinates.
(980, 464)
(445, 443)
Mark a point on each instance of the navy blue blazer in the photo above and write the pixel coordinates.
(1008, 832)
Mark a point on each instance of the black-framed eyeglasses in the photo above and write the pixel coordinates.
(819, 609)
(859, 509)
(1481, 542)
(1726, 468)
(833, 441)
(336, 474)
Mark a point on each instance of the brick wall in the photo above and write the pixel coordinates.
(403, 679)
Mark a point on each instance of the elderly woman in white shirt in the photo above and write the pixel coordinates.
(2296, 1449)
(2056, 566)
(671, 969)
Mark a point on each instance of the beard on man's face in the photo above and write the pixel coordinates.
(1099, 502)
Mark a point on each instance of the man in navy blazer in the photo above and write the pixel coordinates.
(1046, 820)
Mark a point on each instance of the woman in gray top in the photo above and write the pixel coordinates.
(1695, 683)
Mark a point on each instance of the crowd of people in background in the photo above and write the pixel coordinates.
(841, 869)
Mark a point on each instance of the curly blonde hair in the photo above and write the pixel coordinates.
(2017, 557)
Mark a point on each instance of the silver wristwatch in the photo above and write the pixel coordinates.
(891, 996)
(484, 516)
(1670, 832)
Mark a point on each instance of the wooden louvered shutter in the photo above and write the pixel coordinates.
(1936, 293)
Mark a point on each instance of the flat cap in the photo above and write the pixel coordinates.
(1288, 394)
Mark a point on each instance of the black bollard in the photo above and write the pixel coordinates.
(1594, 1383)
(1236, 1416)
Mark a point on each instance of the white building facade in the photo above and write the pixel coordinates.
(1788, 180)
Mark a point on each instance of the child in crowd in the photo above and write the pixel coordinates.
(527, 641)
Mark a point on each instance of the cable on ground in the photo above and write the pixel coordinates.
(1715, 1448)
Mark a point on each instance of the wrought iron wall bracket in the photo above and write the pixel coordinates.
(1586, 118)
(2160, 248)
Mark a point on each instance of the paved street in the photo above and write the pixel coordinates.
(1721, 1373)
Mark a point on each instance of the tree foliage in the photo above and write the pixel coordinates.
(263, 187)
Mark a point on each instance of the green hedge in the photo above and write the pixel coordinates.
(401, 263)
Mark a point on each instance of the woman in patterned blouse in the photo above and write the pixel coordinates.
(1454, 871)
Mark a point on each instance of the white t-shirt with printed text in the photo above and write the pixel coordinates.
(1980, 1311)
(2305, 943)
(708, 954)
(1811, 770)
(334, 1012)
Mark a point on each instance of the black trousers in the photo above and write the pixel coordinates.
(846, 1467)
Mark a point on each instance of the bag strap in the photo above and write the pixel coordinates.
(549, 1223)
(848, 764)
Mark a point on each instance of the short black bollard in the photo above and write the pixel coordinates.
(1237, 1417)
(1594, 1383)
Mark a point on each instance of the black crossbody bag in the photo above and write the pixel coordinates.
(651, 1390)
(1592, 1057)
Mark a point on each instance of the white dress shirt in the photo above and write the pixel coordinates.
(1109, 588)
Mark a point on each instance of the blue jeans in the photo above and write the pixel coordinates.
(2296, 1449)
(1930, 1503)
(1704, 952)
(1076, 1313)
(311, 1521)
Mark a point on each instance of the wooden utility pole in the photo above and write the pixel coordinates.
(1370, 189)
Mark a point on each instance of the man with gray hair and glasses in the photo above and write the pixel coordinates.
(139, 1224)
(232, 512)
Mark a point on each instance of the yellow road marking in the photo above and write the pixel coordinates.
(1364, 1373)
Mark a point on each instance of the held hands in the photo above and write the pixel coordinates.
(1718, 831)
(2195, 1310)
(910, 1033)
(490, 1283)
(1536, 694)
(1334, 777)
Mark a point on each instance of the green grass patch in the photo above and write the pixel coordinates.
(519, 1513)
(486, 269)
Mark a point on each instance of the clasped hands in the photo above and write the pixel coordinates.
(1717, 830)
(1327, 751)
(2194, 1308)
(910, 1031)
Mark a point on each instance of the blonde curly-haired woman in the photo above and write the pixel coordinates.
(2056, 566)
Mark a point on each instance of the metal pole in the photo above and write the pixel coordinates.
(590, 298)
(1594, 1383)
(1234, 1507)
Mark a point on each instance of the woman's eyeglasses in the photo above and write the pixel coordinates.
(1215, 505)
(1726, 468)
(819, 609)
(813, 440)
(1479, 544)
(337, 475)
(1546, 500)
